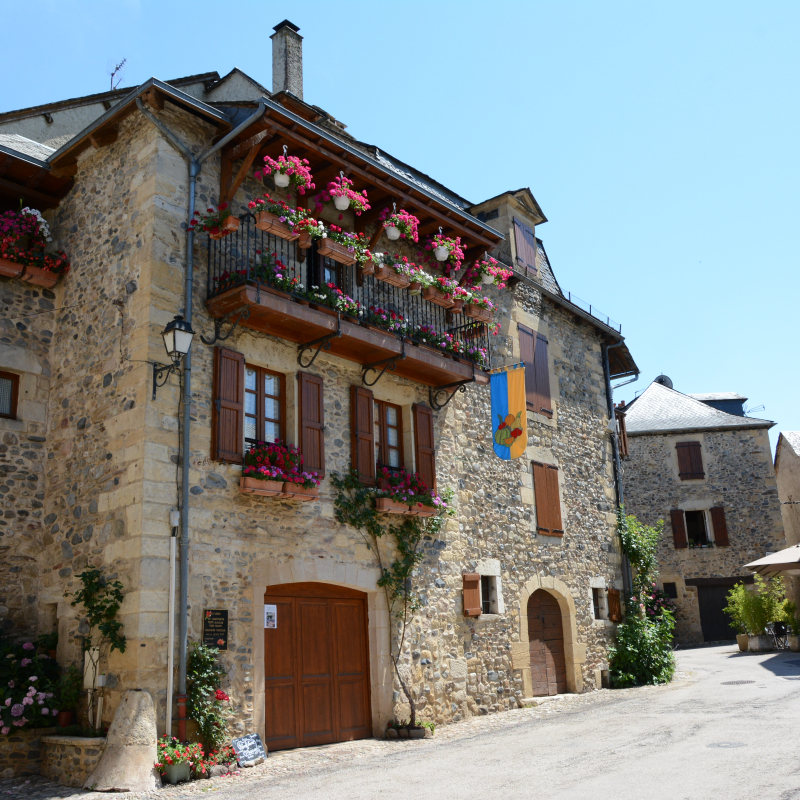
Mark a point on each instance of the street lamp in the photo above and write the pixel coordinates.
(177, 337)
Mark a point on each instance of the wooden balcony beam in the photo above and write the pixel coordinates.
(43, 199)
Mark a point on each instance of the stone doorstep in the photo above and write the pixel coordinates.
(532, 702)
(85, 741)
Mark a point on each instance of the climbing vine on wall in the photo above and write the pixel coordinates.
(355, 506)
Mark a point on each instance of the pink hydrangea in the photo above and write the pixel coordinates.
(28, 646)
(25, 662)
(46, 711)
(17, 710)
(5, 731)
(27, 701)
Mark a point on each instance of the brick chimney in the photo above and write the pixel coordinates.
(287, 59)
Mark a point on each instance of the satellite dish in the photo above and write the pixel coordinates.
(664, 381)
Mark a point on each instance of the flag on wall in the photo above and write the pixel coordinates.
(509, 415)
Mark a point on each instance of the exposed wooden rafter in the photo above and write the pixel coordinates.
(45, 200)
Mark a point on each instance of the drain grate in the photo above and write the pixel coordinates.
(735, 683)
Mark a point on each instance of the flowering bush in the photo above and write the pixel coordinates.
(277, 462)
(342, 187)
(204, 697)
(23, 239)
(406, 223)
(455, 253)
(654, 600)
(171, 751)
(282, 210)
(212, 220)
(28, 683)
(297, 169)
(403, 487)
(223, 755)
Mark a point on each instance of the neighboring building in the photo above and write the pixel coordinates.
(91, 459)
(787, 474)
(698, 463)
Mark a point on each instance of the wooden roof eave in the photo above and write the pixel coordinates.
(22, 175)
(415, 196)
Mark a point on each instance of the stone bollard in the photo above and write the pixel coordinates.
(130, 753)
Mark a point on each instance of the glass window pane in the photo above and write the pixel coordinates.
(249, 403)
(272, 385)
(391, 415)
(271, 432)
(249, 428)
(392, 438)
(250, 379)
(6, 391)
(272, 408)
(394, 458)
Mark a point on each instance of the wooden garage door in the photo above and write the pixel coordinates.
(716, 624)
(316, 666)
(546, 642)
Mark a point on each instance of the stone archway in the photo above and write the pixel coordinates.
(271, 572)
(574, 653)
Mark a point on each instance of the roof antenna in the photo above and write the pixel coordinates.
(116, 71)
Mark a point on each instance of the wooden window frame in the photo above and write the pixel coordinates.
(14, 378)
(260, 404)
(383, 435)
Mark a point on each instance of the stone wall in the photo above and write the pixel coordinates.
(738, 475)
(21, 752)
(70, 760)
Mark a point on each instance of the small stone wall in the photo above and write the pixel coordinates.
(70, 760)
(21, 752)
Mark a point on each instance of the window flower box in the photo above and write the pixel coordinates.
(259, 487)
(437, 297)
(338, 252)
(367, 267)
(458, 305)
(477, 313)
(10, 269)
(39, 277)
(302, 493)
(385, 505)
(391, 276)
(269, 223)
(418, 510)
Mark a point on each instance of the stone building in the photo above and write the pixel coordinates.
(91, 458)
(787, 475)
(698, 463)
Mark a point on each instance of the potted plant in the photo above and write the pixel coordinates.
(276, 470)
(287, 170)
(400, 492)
(277, 217)
(479, 308)
(216, 222)
(446, 249)
(490, 272)
(274, 275)
(440, 292)
(24, 236)
(393, 269)
(460, 296)
(69, 691)
(176, 760)
(340, 190)
(346, 248)
(384, 320)
(399, 224)
(49, 643)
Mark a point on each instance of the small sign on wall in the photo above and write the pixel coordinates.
(270, 616)
(215, 628)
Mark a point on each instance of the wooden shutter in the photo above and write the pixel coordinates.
(678, 528)
(312, 423)
(362, 434)
(227, 409)
(526, 353)
(622, 433)
(614, 606)
(542, 378)
(424, 452)
(472, 594)
(690, 461)
(525, 242)
(720, 526)
(548, 501)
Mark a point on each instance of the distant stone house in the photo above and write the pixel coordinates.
(698, 463)
(92, 457)
(787, 475)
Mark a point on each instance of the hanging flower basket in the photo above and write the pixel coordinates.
(446, 249)
(477, 313)
(341, 202)
(399, 224)
(487, 279)
(437, 297)
(390, 275)
(338, 252)
(392, 233)
(286, 170)
(340, 190)
(441, 252)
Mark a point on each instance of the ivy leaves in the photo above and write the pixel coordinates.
(101, 600)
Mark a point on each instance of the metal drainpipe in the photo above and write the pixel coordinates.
(195, 165)
(627, 578)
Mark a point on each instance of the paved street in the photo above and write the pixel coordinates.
(697, 738)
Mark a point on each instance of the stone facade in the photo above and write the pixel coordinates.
(787, 475)
(738, 476)
(100, 467)
(70, 760)
(21, 752)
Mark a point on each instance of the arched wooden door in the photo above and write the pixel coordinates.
(316, 665)
(546, 642)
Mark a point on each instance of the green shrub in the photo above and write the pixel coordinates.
(204, 696)
(643, 651)
(752, 611)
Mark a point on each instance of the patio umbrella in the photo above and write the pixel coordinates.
(784, 562)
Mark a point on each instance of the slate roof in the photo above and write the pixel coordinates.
(712, 396)
(546, 274)
(662, 410)
(13, 141)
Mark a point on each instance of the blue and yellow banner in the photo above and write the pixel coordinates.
(509, 417)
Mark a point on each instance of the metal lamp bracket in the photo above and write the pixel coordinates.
(218, 323)
(323, 343)
(161, 373)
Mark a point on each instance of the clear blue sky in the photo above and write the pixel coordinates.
(660, 139)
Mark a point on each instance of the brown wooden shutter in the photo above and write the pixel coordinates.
(622, 433)
(614, 605)
(548, 501)
(690, 461)
(554, 500)
(472, 594)
(312, 422)
(424, 452)
(678, 528)
(526, 354)
(525, 243)
(227, 409)
(362, 434)
(720, 526)
(542, 377)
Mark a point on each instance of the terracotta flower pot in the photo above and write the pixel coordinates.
(268, 222)
(64, 719)
(259, 487)
(391, 276)
(40, 277)
(368, 267)
(477, 313)
(437, 297)
(742, 639)
(52, 654)
(304, 240)
(338, 252)
(415, 287)
(231, 224)
(10, 269)
(458, 305)
(299, 492)
(388, 506)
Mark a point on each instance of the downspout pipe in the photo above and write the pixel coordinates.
(195, 166)
(627, 578)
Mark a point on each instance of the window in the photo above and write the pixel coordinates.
(671, 590)
(533, 352)
(691, 528)
(690, 461)
(547, 498)
(390, 435)
(696, 528)
(331, 271)
(9, 392)
(599, 603)
(264, 406)
(486, 594)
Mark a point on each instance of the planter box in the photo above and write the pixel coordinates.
(437, 297)
(304, 240)
(477, 313)
(421, 511)
(229, 225)
(297, 492)
(458, 306)
(742, 639)
(268, 222)
(368, 267)
(761, 644)
(70, 760)
(272, 290)
(10, 269)
(391, 276)
(177, 772)
(338, 252)
(388, 506)
(259, 487)
(40, 277)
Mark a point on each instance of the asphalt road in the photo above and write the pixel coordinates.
(699, 738)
